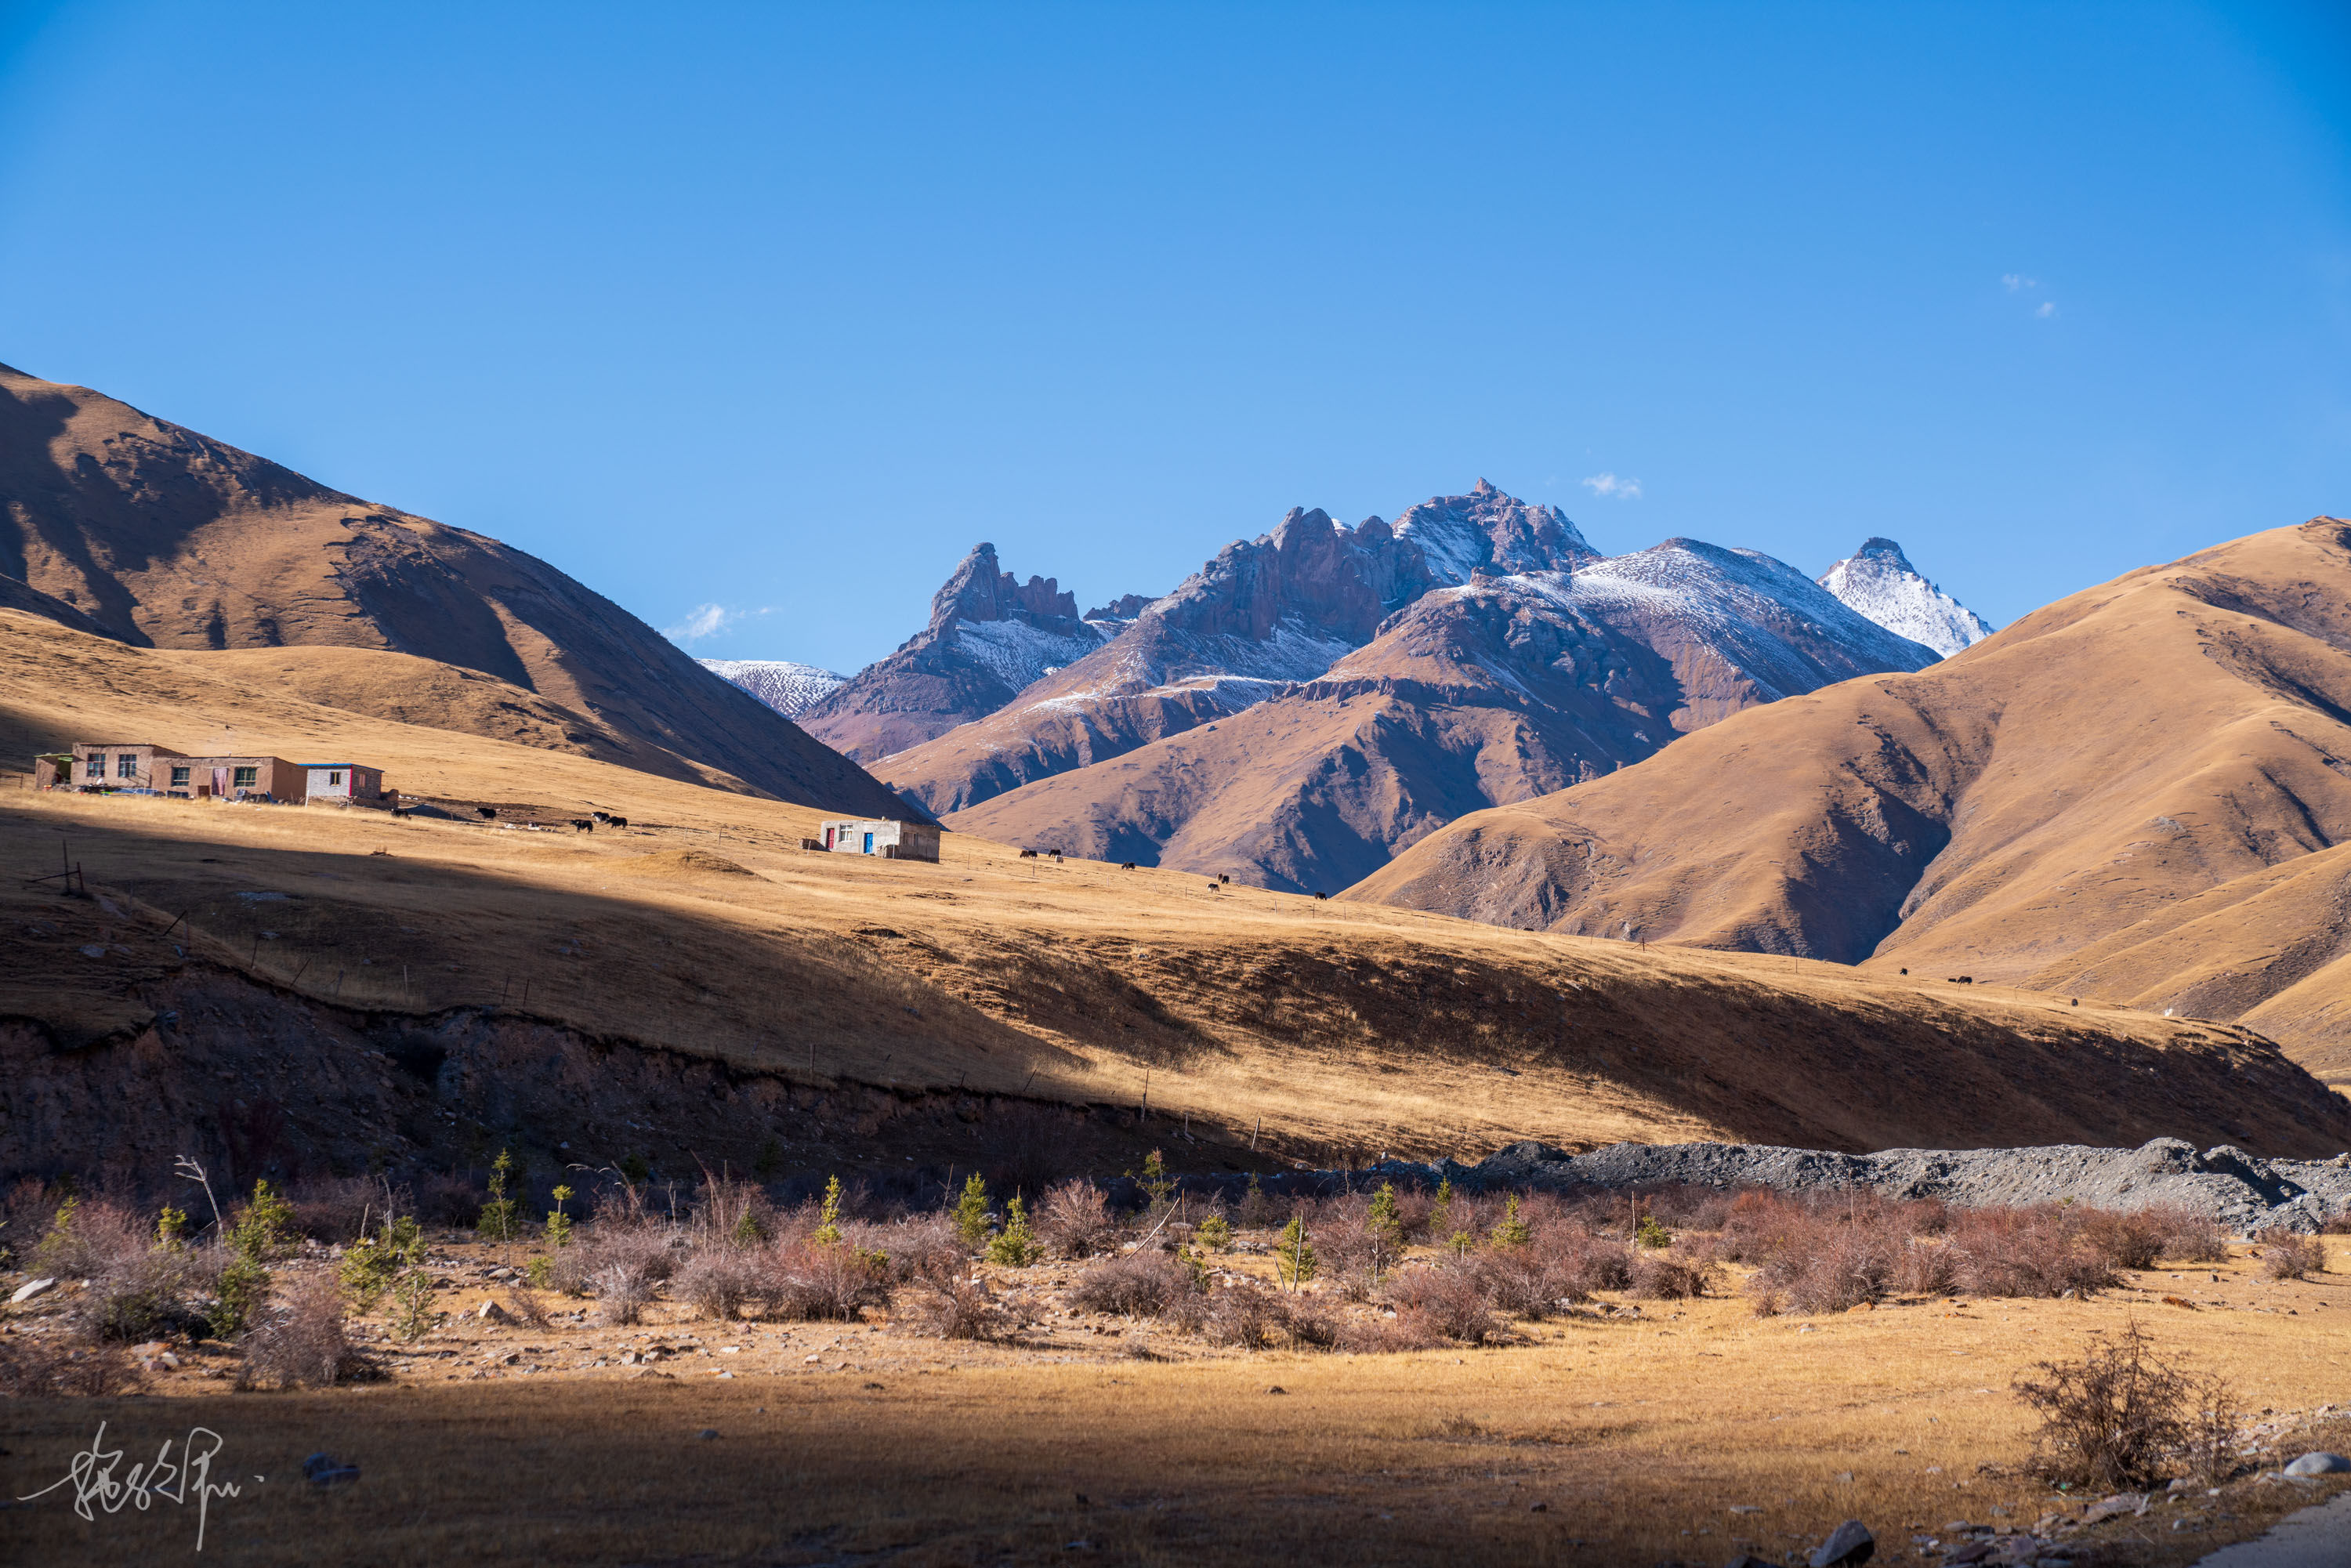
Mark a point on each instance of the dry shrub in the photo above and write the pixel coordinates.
(644, 1252)
(1247, 1315)
(300, 1342)
(1074, 1220)
(813, 1281)
(1673, 1275)
(730, 1211)
(452, 1202)
(146, 1295)
(2289, 1254)
(39, 1368)
(1449, 1301)
(621, 1294)
(1563, 1264)
(719, 1281)
(950, 1308)
(2125, 1240)
(2117, 1417)
(2036, 1252)
(1353, 1253)
(335, 1208)
(919, 1247)
(1143, 1285)
(2189, 1238)
(1819, 1266)
(89, 1238)
(1924, 1268)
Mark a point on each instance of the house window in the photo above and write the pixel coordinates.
(247, 776)
(333, 779)
(126, 766)
(97, 765)
(179, 778)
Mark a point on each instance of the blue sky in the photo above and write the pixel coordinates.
(779, 310)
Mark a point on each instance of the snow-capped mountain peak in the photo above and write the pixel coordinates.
(1878, 581)
(1487, 529)
(790, 689)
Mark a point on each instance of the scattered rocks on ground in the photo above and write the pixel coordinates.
(2317, 1464)
(2239, 1189)
(1849, 1543)
(31, 1288)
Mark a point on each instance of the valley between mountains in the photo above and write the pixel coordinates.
(1466, 721)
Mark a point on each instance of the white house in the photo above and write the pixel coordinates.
(879, 836)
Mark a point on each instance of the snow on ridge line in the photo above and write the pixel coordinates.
(790, 688)
(1878, 581)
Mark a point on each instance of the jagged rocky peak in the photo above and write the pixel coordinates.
(1122, 609)
(980, 589)
(1878, 581)
(1309, 573)
(1491, 528)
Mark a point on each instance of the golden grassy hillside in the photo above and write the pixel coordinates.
(2135, 793)
(168, 538)
(1343, 1028)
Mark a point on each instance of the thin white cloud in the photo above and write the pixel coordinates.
(705, 621)
(1609, 485)
(2017, 280)
(2048, 307)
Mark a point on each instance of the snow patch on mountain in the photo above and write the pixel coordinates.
(1760, 613)
(1878, 581)
(1019, 653)
(1487, 529)
(790, 689)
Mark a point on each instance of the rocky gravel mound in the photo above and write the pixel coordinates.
(2242, 1191)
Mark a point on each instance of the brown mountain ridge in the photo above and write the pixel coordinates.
(2138, 794)
(168, 538)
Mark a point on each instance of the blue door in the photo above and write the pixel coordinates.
(869, 843)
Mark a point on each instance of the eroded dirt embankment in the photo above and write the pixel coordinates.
(257, 1082)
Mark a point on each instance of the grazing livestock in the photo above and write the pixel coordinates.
(1222, 877)
(485, 812)
(1028, 854)
(1322, 895)
(616, 822)
(583, 824)
(603, 817)
(1128, 866)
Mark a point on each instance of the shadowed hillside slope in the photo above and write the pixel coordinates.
(169, 539)
(704, 935)
(2134, 794)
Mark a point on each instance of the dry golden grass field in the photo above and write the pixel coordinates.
(1314, 1030)
(1683, 1435)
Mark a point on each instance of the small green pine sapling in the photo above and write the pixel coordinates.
(501, 1218)
(559, 1224)
(1385, 1221)
(828, 1224)
(1015, 1246)
(170, 1227)
(1156, 1181)
(1511, 1230)
(264, 1227)
(1440, 1211)
(1293, 1255)
(372, 1262)
(1193, 1265)
(540, 1272)
(1215, 1233)
(1649, 1233)
(411, 1306)
(971, 1213)
(747, 1232)
(59, 1241)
